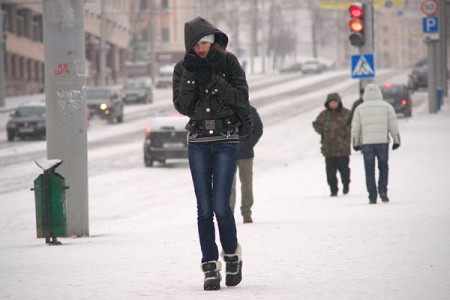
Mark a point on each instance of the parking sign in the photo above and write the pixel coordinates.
(430, 27)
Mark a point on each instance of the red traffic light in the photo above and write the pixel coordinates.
(356, 10)
(356, 24)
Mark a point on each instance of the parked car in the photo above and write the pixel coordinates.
(399, 97)
(312, 67)
(164, 79)
(27, 121)
(165, 138)
(105, 102)
(138, 90)
(295, 67)
(418, 78)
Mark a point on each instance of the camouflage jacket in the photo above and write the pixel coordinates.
(334, 126)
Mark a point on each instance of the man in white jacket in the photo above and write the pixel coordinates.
(373, 121)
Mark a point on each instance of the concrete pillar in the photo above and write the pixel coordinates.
(65, 80)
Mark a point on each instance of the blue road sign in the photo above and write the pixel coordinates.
(430, 24)
(363, 66)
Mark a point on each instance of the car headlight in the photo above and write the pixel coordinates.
(40, 124)
(103, 106)
(11, 125)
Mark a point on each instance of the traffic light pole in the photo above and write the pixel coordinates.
(442, 48)
(368, 35)
(65, 80)
(432, 78)
(2, 62)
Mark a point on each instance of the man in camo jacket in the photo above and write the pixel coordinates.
(334, 126)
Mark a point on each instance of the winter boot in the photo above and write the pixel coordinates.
(248, 219)
(212, 275)
(233, 268)
(346, 189)
(384, 197)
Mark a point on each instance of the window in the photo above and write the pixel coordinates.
(143, 4)
(20, 23)
(14, 66)
(37, 68)
(21, 67)
(165, 35)
(165, 4)
(37, 35)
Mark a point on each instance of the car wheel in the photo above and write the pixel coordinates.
(10, 137)
(409, 114)
(148, 161)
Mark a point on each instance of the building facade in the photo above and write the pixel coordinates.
(24, 48)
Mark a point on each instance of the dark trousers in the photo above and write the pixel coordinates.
(371, 153)
(213, 167)
(334, 164)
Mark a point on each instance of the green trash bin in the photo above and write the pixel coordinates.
(50, 200)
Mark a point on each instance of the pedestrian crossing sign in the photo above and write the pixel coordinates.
(362, 66)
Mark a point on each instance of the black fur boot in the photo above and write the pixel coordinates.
(233, 268)
(212, 275)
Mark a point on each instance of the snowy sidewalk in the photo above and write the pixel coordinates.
(303, 244)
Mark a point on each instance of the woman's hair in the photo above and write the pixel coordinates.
(219, 48)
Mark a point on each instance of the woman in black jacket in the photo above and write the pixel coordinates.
(209, 86)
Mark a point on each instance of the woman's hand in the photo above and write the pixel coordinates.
(204, 72)
(191, 62)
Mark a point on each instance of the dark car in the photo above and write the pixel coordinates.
(27, 121)
(418, 78)
(139, 90)
(165, 138)
(399, 97)
(296, 67)
(105, 102)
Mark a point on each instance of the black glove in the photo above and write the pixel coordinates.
(191, 62)
(395, 146)
(204, 72)
(356, 148)
(215, 58)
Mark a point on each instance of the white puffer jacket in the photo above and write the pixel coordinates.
(374, 119)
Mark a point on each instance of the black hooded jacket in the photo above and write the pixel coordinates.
(224, 94)
(246, 144)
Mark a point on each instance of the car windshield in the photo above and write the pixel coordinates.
(30, 111)
(395, 91)
(98, 94)
(134, 85)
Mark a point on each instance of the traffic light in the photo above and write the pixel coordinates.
(356, 24)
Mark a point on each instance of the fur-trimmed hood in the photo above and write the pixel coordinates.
(197, 28)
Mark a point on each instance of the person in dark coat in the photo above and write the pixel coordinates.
(358, 101)
(210, 87)
(245, 167)
(334, 126)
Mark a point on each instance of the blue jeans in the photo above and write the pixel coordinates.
(213, 166)
(381, 153)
